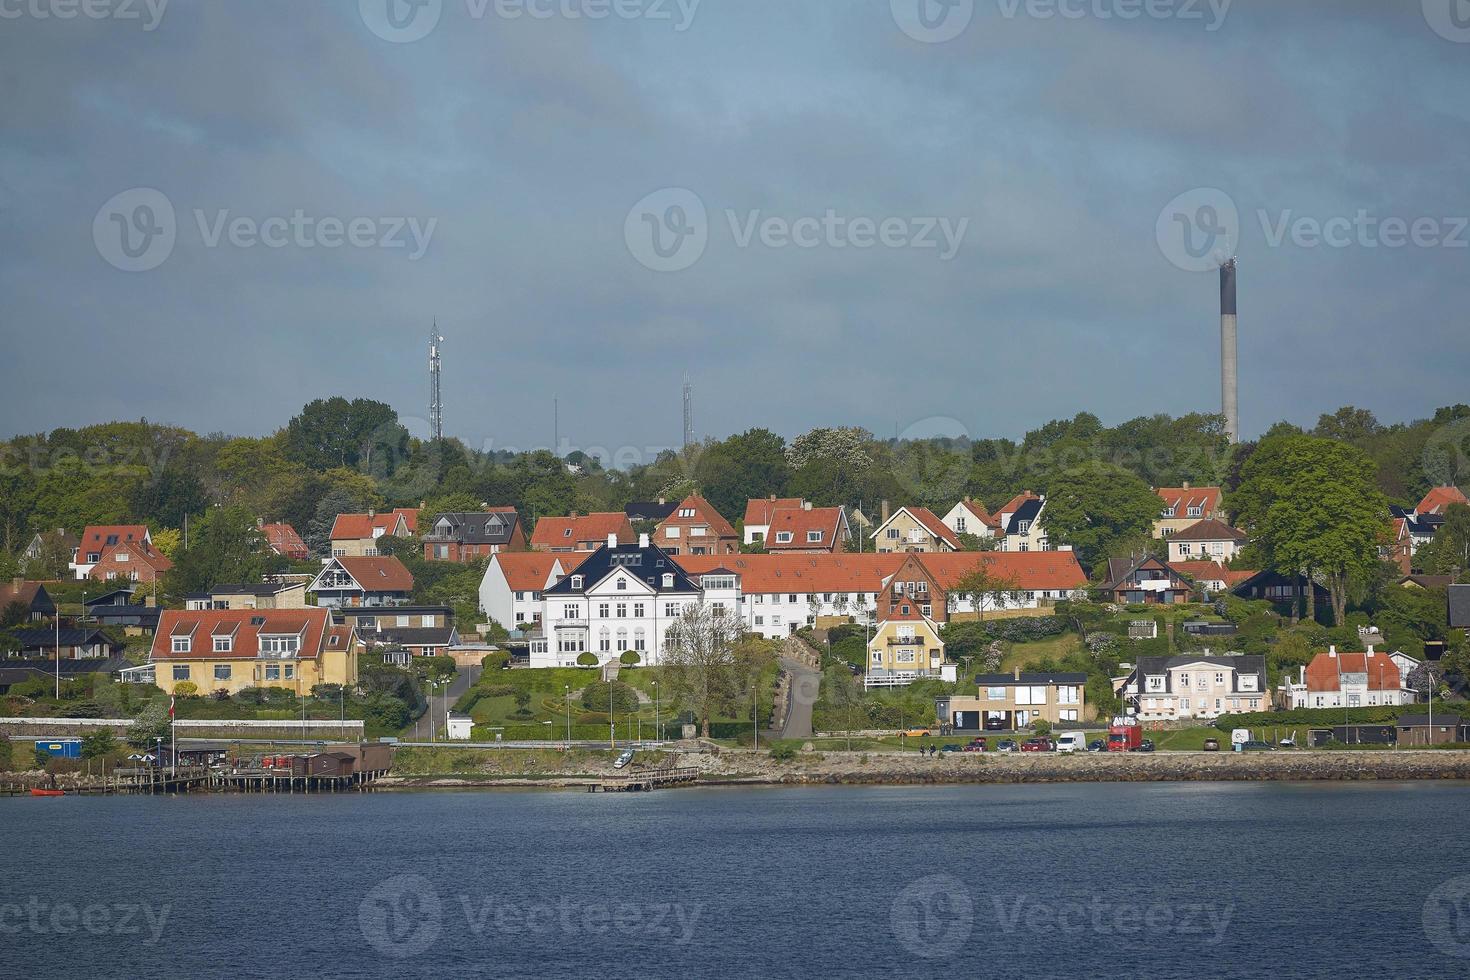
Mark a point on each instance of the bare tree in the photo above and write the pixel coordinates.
(982, 584)
(699, 662)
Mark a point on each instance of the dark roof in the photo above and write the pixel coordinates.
(43, 638)
(1247, 663)
(1121, 570)
(109, 598)
(16, 670)
(647, 564)
(256, 588)
(414, 636)
(353, 612)
(478, 527)
(1460, 607)
(1422, 721)
(1025, 512)
(649, 510)
(1209, 530)
(1010, 680)
(143, 615)
(1429, 581)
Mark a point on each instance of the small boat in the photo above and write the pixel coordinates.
(48, 792)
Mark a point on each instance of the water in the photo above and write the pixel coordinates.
(1172, 880)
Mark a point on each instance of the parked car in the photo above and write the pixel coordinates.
(1072, 742)
(914, 733)
(1257, 746)
(1212, 745)
(1006, 745)
(1146, 746)
(949, 748)
(1038, 745)
(976, 745)
(623, 759)
(1097, 745)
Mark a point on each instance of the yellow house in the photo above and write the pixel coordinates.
(260, 595)
(905, 645)
(232, 649)
(914, 530)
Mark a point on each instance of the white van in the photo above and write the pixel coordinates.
(1072, 742)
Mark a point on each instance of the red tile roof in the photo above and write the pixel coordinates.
(96, 536)
(526, 571)
(704, 514)
(1032, 571)
(935, 526)
(561, 532)
(758, 512)
(1438, 500)
(137, 552)
(798, 521)
(977, 509)
(1181, 499)
(799, 573)
(1324, 670)
(382, 573)
(1211, 571)
(246, 626)
(283, 540)
(367, 527)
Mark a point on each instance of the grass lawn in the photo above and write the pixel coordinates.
(1024, 654)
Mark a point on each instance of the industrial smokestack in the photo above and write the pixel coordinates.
(1229, 365)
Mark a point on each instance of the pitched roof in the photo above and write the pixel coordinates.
(382, 573)
(1016, 503)
(1181, 499)
(283, 539)
(1032, 571)
(1324, 671)
(28, 593)
(1438, 500)
(244, 627)
(758, 512)
(1211, 571)
(1120, 570)
(977, 509)
(799, 522)
(648, 564)
(1459, 607)
(1026, 511)
(100, 537)
(47, 638)
(495, 526)
(1429, 581)
(557, 532)
(526, 571)
(799, 573)
(363, 527)
(935, 526)
(704, 513)
(1239, 664)
(140, 552)
(1210, 529)
(649, 510)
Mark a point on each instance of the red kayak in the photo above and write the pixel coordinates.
(48, 792)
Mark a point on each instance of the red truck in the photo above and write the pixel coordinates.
(1125, 735)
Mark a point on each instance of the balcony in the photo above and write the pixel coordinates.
(571, 624)
(907, 641)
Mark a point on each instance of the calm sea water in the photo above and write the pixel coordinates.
(1239, 880)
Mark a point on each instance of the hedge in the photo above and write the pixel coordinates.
(1332, 717)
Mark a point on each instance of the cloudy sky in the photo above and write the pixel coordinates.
(845, 212)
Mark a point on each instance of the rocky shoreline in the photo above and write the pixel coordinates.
(835, 769)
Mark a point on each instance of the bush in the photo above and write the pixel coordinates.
(1041, 727)
(186, 689)
(601, 696)
(783, 752)
(499, 660)
(588, 659)
(630, 658)
(497, 691)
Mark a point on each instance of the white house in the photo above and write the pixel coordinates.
(510, 592)
(1196, 686)
(621, 598)
(778, 594)
(1206, 540)
(970, 517)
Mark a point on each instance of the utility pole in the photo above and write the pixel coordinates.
(436, 400)
(688, 413)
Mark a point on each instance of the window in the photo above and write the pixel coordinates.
(279, 645)
(576, 581)
(639, 643)
(792, 597)
(814, 537)
(1068, 694)
(622, 610)
(272, 672)
(181, 644)
(671, 609)
(783, 537)
(1196, 511)
(760, 620)
(668, 580)
(221, 672)
(602, 610)
(1067, 714)
(520, 597)
(622, 585)
(671, 532)
(604, 641)
(959, 525)
(637, 610)
(893, 534)
(995, 693)
(223, 644)
(181, 672)
(572, 610)
(1185, 548)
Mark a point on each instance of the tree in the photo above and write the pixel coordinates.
(983, 584)
(742, 467)
(224, 546)
(1450, 549)
(334, 432)
(99, 743)
(699, 664)
(844, 693)
(1348, 424)
(1095, 506)
(1313, 508)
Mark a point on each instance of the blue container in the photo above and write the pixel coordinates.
(61, 748)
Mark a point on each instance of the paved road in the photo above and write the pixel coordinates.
(440, 703)
(803, 691)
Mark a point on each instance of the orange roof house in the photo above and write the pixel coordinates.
(373, 580)
(134, 561)
(97, 538)
(356, 535)
(1438, 500)
(283, 540)
(696, 528)
(585, 532)
(807, 530)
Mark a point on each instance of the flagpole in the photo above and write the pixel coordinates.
(58, 653)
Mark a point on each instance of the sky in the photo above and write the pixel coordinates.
(916, 216)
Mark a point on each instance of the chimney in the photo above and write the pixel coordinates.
(1018, 673)
(1303, 675)
(773, 498)
(806, 505)
(1186, 484)
(17, 582)
(1229, 362)
(612, 539)
(1332, 652)
(662, 501)
(643, 541)
(372, 513)
(885, 512)
(260, 522)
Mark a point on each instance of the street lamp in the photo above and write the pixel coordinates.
(569, 715)
(657, 736)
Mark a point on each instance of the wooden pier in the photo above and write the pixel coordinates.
(641, 782)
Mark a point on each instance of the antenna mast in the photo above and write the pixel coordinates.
(688, 413)
(436, 400)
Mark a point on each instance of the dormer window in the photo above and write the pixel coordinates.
(576, 581)
(668, 580)
(1196, 511)
(181, 644)
(224, 644)
(783, 537)
(814, 537)
(567, 533)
